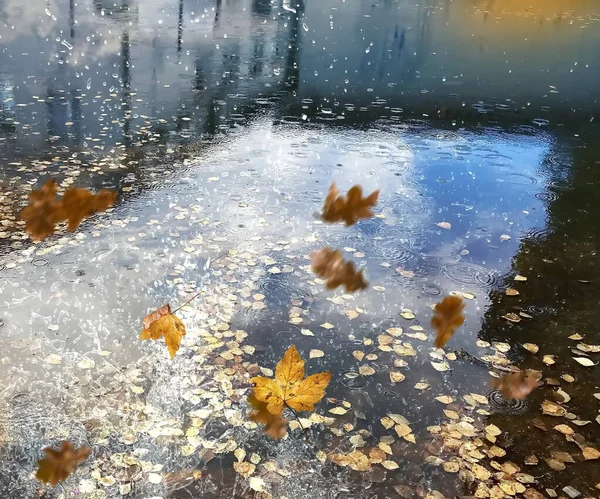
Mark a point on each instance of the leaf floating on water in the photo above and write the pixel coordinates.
(59, 464)
(355, 460)
(589, 453)
(274, 423)
(440, 366)
(511, 317)
(330, 265)
(44, 210)
(448, 316)
(531, 347)
(444, 225)
(520, 278)
(289, 386)
(517, 385)
(584, 361)
(512, 292)
(350, 209)
(588, 348)
(551, 409)
(162, 322)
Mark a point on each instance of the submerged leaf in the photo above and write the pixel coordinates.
(59, 464)
(330, 265)
(274, 423)
(289, 388)
(162, 322)
(448, 316)
(517, 385)
(350, 209)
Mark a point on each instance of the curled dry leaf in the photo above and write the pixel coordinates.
(330, 265)
(448, 316)
(44, 210)
(517, 385)
(350, 209)
(274, 423)
(289, 388)
(59, 464)
(162, 322)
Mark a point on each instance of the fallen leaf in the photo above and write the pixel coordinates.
(444, 225)
(512, 292)
(444, 399)
(555, 464)
(584, 361)
(511, 317)
(520, 278)
(440, 366)
(564, 429)
(390, 465)
(589, 453)
(244, 468)
(336, 208)
(44, 210)
(551, 409)
(315, 354)
(366, 370)
(531, 347)
(257, 484)
(59, 464)
(448, 316)
(289, 388)
(516, 385)
(274, 423)
(162, 322)
(330, 265)
(396, 377)
(355, 460)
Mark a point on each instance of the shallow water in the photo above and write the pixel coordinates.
(222, 126)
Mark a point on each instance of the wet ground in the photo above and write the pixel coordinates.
(221, 126)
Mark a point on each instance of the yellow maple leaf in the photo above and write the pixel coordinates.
(289, 389)
(59, 464)
(162, 322)
(274, 423)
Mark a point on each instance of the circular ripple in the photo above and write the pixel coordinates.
(279, 289)
(390, 395)
(505, 406)
(520, 179)
(474, 275)
(538, 234)
(72, 275)
(39, 262)
(357, 382)
(431, 289)
(547, 196)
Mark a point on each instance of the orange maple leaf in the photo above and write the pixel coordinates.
(289, 388)
(330, 265)
(274, 423)
(336, 208)
(448, 316)
(80, 203)
(44, 210)
(517, 385)
(162, 322)
(59, 464)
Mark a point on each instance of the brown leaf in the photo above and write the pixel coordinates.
(517, 385)
(274, 423)
(45, 210)
(330, 265)
(355, 460)
(590, 453)
(448, 316)
(349, 210)
(162, 322)
(80, 203)
(59, 464)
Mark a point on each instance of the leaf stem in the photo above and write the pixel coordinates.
(295, 415)
(192, 298)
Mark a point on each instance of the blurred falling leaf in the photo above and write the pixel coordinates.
(448, 316)
(274, 423)
(59, 464)
(350, 209)
(330, 265)
(517, 385)
(44, 210)
(162, 322)
(289, 388)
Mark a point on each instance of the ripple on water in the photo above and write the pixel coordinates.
(353, 380)
(39, 262)
(503, 405)
(278, 289)
(537, 234)
(519, 179)
(547, 196)
(470, 274)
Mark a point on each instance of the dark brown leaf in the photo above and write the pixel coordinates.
(59, 464)
(331, 266)
(350, 209)
(80, 203)
(448, 316)
(43, 212)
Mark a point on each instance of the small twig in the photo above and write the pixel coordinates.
(192, 298)
(295, 415)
